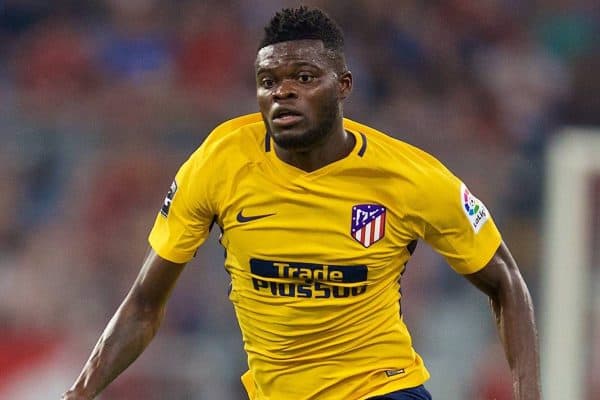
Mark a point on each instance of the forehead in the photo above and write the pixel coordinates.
(296, 51)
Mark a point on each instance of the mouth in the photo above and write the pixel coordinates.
(286, 117)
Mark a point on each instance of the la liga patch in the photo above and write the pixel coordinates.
(164, 210)
(474, 209)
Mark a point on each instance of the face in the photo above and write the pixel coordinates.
(299, 92)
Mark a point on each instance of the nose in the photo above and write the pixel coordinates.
(285, 90)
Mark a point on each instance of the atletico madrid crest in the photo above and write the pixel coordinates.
(368, 223)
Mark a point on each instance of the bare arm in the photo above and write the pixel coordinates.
(131, 328)
(511, 302)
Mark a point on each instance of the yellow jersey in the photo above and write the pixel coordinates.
(315, 258)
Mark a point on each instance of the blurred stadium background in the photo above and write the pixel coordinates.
(101, 100)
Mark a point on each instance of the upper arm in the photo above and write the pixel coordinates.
(499, 274)
(155, 281)
(454, 222)
(185, 218)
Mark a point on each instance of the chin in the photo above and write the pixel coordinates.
(301, 136)
(291, 139)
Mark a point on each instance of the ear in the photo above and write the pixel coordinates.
(345, 85)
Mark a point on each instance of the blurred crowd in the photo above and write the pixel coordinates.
(101, 100)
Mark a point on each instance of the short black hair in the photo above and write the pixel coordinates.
(303, 23)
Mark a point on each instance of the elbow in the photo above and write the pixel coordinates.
(512, 293)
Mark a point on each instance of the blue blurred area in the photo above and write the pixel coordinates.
(100, 101)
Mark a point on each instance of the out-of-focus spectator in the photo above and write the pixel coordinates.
(212, 49)
(582, 107)
(134, 42)
(11, 233)
(568, 28)
(54, 57)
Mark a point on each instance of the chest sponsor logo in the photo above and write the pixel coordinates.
(368, 223)
(473, 208)
(308, 280)
(164, 210)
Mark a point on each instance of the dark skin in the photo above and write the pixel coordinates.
(131, 328)
(511, 304)
(306, 80)
(302, 78)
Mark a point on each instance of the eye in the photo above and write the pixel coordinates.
(267, 83)
(305, 77)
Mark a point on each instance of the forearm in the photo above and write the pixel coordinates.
(123, 340)
(516, 325)
(511, 302)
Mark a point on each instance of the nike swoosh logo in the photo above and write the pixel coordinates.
(243, 218)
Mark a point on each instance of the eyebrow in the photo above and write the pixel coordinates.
(296, 64)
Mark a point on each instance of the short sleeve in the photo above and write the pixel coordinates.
(456, 223)
(184, 220)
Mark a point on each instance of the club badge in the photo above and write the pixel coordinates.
(368, 223)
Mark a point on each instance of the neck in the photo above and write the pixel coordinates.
(334, 146)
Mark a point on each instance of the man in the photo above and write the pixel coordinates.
(319, 215)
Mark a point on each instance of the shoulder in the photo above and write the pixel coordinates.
(237, 131)
(419, 180)
(394, 154)
(233, 140)
(230, 147)
(247, 121)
